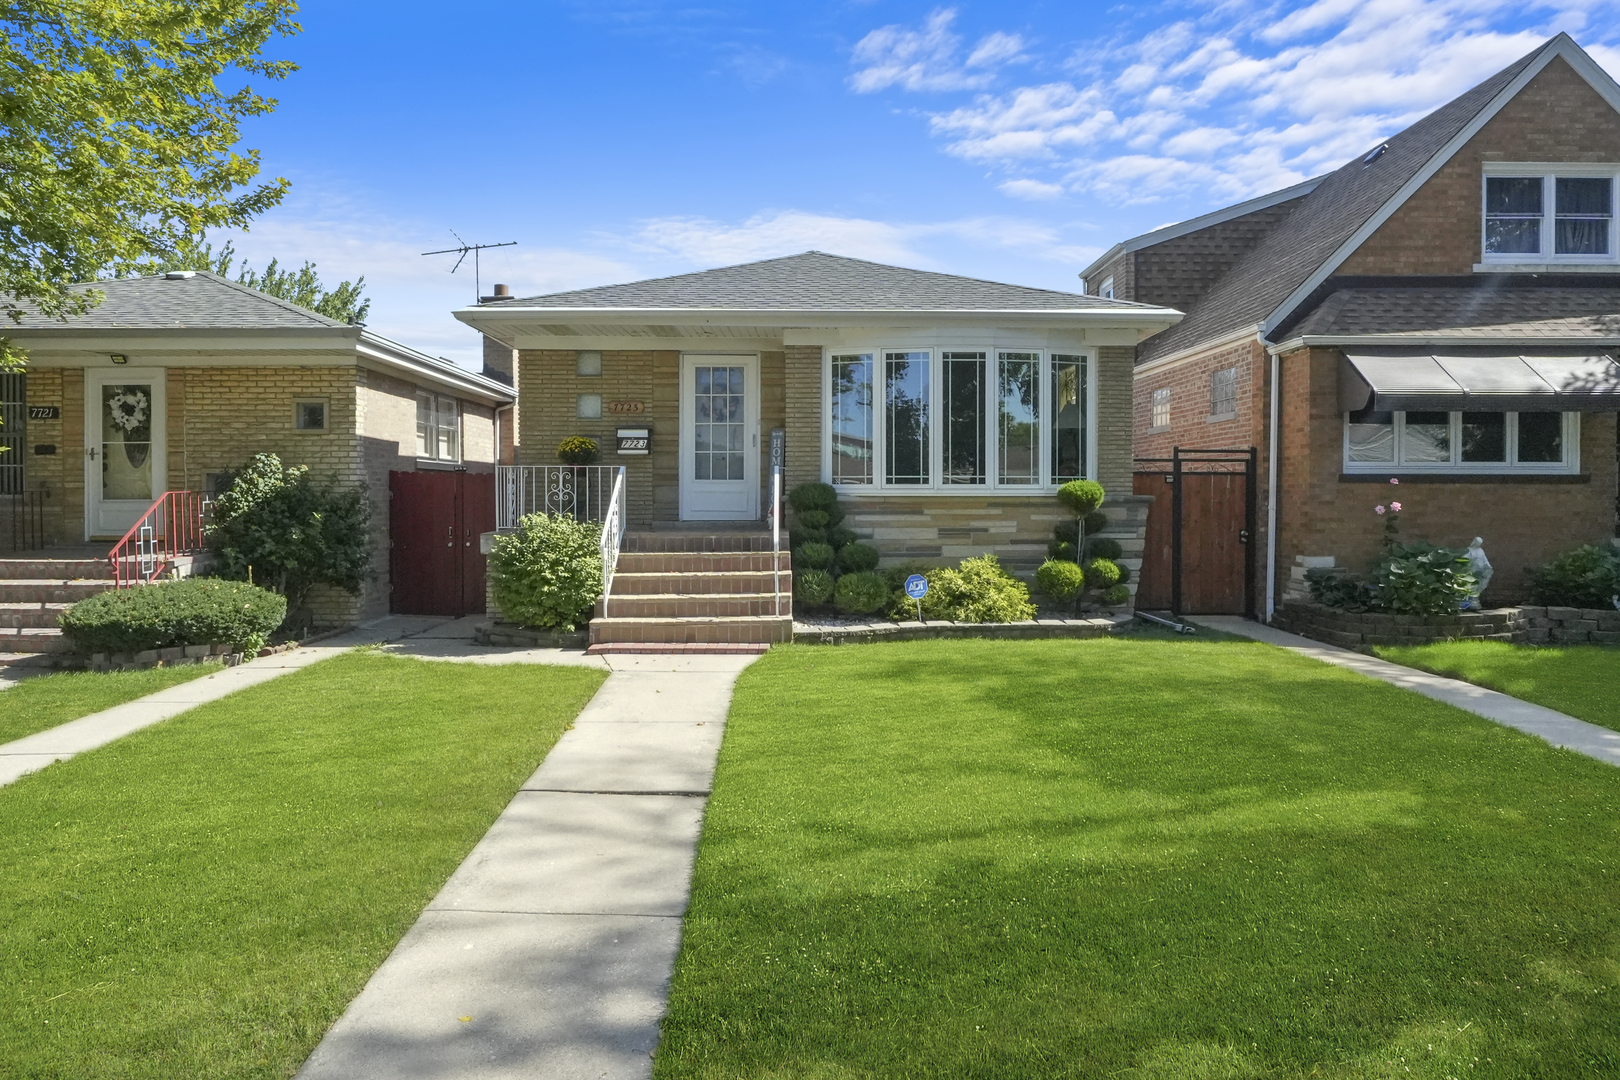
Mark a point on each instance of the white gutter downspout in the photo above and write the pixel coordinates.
(1271, 492)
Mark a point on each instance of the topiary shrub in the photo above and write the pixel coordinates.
(840, 537)
(1096, 522)
(1124, 574)
(1588, 577)
(860, 594)
(813, 519)
(812, 496)
(1102, 573)
(1117, 595)
(799, 535)
(813, 555)
(549, 572)
(834, 512)
(856, 558)
(813, 587)
(1060, 549)
(1080, 497)
(1103, 547)
(577, 450)
(1060, 579)
(193, 611)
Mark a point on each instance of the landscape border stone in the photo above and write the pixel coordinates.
(180, 655)
(866, 633)
(1524, 625)
(511, 635)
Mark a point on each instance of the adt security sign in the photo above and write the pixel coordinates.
(917, 588)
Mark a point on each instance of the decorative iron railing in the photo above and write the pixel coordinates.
(26, 516)
(612, 536)
(171, 527)
(582, 492)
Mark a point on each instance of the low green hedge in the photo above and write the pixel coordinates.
(194, 611)
(549, 572)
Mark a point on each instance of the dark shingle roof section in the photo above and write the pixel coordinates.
(201, 301)
(816, 281)
(1328, 217)
(1461, 312)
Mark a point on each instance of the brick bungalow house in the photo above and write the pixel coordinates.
(208, 373)
(1444, 309)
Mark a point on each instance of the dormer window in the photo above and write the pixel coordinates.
(1539, 214)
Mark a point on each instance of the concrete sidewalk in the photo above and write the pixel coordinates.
(1555, 727)
(548, 954)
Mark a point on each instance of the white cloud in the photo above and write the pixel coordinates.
(1025, 188)
(928, 58)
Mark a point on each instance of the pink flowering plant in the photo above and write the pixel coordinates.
(1408, 578)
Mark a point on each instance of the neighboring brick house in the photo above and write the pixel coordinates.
(1444, 310)
(219, 372)
(945, 409)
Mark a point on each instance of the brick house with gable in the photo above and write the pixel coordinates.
(1444, 310)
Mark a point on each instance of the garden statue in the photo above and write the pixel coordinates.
(1481, 568)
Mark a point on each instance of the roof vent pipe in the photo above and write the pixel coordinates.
(502, 290)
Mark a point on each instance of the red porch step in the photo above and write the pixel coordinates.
(680, 591)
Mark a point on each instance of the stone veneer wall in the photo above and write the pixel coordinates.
(1521, 625)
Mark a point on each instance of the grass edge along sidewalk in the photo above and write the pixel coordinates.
(1140, 858)
(1580, 680)
(203, 898)
(42, 702)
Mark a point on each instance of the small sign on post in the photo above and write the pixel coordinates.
(778, 448)
(917, 588)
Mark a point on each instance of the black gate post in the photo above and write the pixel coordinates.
(1251, 520)
(1175, 532)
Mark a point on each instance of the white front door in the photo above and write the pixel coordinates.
(124, 466)
(719, 438)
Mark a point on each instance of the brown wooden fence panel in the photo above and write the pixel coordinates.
(1212, 549)
(1153, 588)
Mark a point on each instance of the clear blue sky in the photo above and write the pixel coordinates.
(622, 139)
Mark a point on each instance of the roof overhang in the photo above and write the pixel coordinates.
(1389, 380)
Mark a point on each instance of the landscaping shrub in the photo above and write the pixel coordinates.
(1102, 573)
(1588, 577)
(840, 537)
(1060, 579)
(1080, 497)
(812, 496)
(814, 519)
(1060, 549)
(1124, 574)
(978, 590)
(813, 587)
(896, 575)
(290, 532)
(814, 555)
(855, 558)
(834, 512)
(799, 535)
(577, 450)
(1117, 595)
(1421, 579)
(1096, 522)
(193, 611)
(1103, 547)
(860, 594)
(549, 572)
(1335, 588)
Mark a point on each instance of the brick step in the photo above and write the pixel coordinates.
(34, 615)
(726, 582)
(49, 590)
(693, 562)
(685, 605)
(697, 541)
(91, 569)
(33, 639)
(719, 630)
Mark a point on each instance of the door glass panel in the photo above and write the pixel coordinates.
(1427, 438)
(1068, 418)
(905, 377)
(126, 441)
(964, 417)
(1541, 437)
(717, 431)
(852, 419)
(1018, 427)
(1484, 436)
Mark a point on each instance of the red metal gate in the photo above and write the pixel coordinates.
(1197, 560)
(435, 519)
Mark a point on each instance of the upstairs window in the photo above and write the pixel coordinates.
(1160, 419)
(1556, 215)
(1106, 289)
(438, 427)
(1223, 393)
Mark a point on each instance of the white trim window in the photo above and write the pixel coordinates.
(1549, 213)
(1106, 289)
(438, 427)
(1462, 442)
(1159, 412)
(963, 420)
(1222, 394)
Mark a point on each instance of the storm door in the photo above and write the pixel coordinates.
(124, 448)
(719, 438)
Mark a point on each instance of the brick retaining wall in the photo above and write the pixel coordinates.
(1520, 625)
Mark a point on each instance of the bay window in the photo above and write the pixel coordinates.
(1465, 442)
(960, 420)
(1549, 213)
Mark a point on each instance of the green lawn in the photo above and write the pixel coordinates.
(1581, 680)
(203, 898)
(1139, 858)
(45, 701)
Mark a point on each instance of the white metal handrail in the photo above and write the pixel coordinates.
(776, 534)
(612, 536)
(582, 492)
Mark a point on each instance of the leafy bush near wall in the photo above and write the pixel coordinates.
(1103, 547)
(1060, 579)
(549, 572)
(856, 558)
(1102, 573)
(1588, 577)
(1117, 595)
(289, 532)
(860, 594)
(823, 546)
(1421, 579)
(814, 555)
(812, 496)
(812, 586)
(193, 611)
(978, 590)
(1335, 588)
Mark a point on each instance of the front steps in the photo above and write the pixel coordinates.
(34, 591)
(695, 591)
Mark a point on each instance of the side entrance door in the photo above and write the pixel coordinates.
(125, 466)
(435, 520)
(719, 438)
(1198, 559)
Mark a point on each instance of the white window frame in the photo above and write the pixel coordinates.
(991, 404)
(1223, 414)
(1106, 289)
(1457, 467)
(1159, 397)
(439, 405)
(1549, 172)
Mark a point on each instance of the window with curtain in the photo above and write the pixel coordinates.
(1550, 216)
(438, 427)
(1377, 441)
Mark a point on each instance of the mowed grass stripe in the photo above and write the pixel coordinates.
(204, 897)
(1139, 858)
(1580, 680)
(45, 701)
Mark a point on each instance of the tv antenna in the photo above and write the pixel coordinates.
(461, 257)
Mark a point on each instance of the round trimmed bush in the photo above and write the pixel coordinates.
(814, 587)
(193, 611)
(840, 537)
(800, 535)
(1080, 497)
(1066, 532)
(1102, 573)
(857, 558)
(1096, 522)
(814, 556)
(860, 594)
(1061, 549)
(1117, 595)
(1060, 579)
(1104, 547)
(812, 496)
(813, 519)
(835, 514)
(549, 572)
(1124, 574)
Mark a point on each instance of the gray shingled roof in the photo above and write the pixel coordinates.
(1329, 216)
(1530, 312)
(202, 301)
(816, 281)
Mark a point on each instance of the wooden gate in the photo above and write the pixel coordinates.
(435, 520)
(1198, 559)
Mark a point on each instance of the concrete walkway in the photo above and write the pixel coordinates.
(549, 952)
(1555, 727)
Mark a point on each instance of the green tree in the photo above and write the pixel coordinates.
(345, 303)
(116, 139)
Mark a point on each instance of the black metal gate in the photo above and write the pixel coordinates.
(1199, 558)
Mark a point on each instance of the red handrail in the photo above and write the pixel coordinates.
(170, 528)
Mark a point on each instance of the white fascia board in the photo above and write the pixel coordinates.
(1563, 45)
(608, 343)
(419, 367)
(166, 341)
(1135, 316)
(1202, 349)
(1516, 342)
(979, 334)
